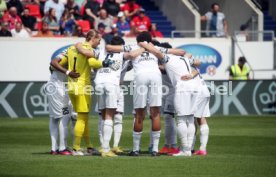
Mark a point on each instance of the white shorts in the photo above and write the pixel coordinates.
(148, 86)
(185, 98)
(108, 95)
(120, 102)
(202, 102)
(59, 102)
(168, 102)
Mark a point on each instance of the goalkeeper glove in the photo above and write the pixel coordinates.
(107, 63)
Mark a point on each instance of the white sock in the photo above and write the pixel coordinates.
(100, 129)
(136, 140)
(107, 133)
(182, 131)
(204, 135)
(63, 131)
(73, 120)
(191, 131)
(118, 126)
(155, 140)
(53, 127)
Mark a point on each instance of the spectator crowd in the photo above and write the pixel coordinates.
(66, 18)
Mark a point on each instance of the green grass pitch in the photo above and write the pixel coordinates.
(238, 146)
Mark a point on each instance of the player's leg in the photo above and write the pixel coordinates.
(139, 103)
(118, 123)
(73, 118)
(53, 127)
(55, 114)
(81, 103)
(183, 102)
(63, 131)
(118, 127)
(204, 136)
(194, 140)
(182, 131)
(73, 124)
(202, 112)
(150, 136)
(170, 126)
(100, 128)
(155, 102)
(191, 132)
(110, 105)
(156, 128)
(137, 130)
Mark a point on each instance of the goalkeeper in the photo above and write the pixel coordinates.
(79, 87)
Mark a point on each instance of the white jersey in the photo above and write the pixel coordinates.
(107, 75)
(144, 63)
(58, 77)
(176, 67)
(166, 81)
(126, 65)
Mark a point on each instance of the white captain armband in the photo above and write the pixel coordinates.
(163, 50)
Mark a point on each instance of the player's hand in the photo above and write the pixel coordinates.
(73, 74)
(186, 77)
(165, 59)
(116, 65)
(197, 62)
(106, 63)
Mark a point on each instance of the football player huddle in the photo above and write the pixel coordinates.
(184, 102)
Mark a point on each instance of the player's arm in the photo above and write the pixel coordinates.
(193, 62)
(133, 54)
(177, 52)
(118, 48)
(114, 48)
(56, 64)
(85, 52)
(193, 74)
(94, 63)
(150, 48)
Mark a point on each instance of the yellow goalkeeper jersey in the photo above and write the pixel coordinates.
(82, 65)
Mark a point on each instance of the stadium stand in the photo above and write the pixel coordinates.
(157, 17)
(84, 25)
(269, 23)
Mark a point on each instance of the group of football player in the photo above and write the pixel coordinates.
(165, 80)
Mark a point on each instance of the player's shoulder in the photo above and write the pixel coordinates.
(130, 47)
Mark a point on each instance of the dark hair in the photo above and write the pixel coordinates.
(155, 42)
(117, 40)
(242, 59)
(166, 45)
(214, 4)
(50, 14)
(144, 36)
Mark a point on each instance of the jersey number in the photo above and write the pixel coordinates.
(65, 111)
